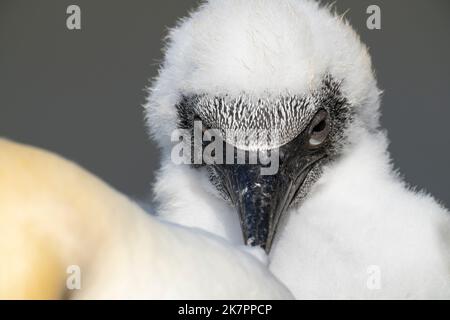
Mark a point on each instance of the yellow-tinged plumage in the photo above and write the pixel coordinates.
(54, 215)
(51, 210)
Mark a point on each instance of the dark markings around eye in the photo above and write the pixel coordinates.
(287, 114)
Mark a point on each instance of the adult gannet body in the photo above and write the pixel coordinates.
(348, 227)
(57, 218)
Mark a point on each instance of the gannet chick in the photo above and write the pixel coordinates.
(66, 234)
(335, 217)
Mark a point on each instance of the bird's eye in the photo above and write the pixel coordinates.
(319, 128)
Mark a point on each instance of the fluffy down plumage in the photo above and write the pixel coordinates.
(360, 220)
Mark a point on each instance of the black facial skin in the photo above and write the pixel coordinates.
(262, 200)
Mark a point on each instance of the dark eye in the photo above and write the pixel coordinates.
(319, 128)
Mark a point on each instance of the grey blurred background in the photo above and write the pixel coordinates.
(79, 93)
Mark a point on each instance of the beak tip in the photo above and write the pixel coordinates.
(263, 245)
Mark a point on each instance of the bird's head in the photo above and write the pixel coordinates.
(270, 92)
